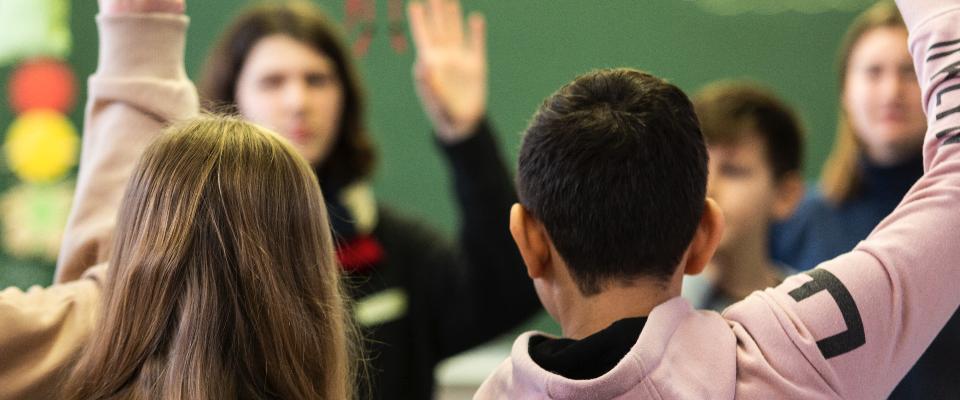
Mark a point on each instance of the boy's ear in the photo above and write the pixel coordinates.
(705, 240)
(532, 240)
(790, 190)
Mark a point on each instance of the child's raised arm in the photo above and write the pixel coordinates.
(853, 326)
(140, 85)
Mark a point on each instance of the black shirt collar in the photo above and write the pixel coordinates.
(590, 357)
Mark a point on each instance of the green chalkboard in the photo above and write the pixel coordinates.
(535, 46)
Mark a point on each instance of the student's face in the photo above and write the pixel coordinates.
(742, 183)
(289, 87)
(882, 98)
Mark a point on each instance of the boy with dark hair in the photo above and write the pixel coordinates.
(613, 210)
(755, 145)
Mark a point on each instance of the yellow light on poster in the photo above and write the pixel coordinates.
(41, 146)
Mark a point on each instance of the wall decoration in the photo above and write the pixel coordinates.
(31, 28)
(396, 18)
(33, 218)
(361, 25)
(42, 83)
(360, 16)
(41, 146)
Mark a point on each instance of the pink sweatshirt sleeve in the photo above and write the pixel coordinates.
(139, 86)
(854, 326)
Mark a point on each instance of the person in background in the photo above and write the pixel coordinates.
(755, 145)
(875, 160)
(419, 297)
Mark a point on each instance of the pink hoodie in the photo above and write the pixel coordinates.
(850, 329)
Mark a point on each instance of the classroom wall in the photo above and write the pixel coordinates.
(535, 46)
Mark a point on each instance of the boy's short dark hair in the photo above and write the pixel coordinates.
(731, 110)
(615, 167)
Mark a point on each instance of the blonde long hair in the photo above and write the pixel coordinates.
(223, 281)
(840, 177)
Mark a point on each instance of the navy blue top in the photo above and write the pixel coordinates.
(820, 230)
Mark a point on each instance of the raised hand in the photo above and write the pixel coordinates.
(142, 6)
(450, 72)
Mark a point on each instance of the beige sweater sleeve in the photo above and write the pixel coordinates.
(140, 85)
(41, 332)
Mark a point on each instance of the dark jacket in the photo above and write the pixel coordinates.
(432, 299)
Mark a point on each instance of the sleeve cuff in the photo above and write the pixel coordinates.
(134, 45)
(480, 137)
(919, 12)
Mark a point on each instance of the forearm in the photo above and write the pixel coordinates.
(482, 183)
(140, 86)
(498, 294)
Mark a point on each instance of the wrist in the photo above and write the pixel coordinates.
(127, 7)
(455, 132)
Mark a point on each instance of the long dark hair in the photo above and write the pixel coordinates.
(352, 156)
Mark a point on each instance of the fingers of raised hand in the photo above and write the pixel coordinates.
(436, 23)
(478, 35)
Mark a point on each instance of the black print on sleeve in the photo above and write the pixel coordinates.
(947, 112)
(945, 91)
(845, 341)
(954, 133)
(944, 54)
(951, 72)
(944, 44)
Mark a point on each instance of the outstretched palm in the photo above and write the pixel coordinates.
(450, 72)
